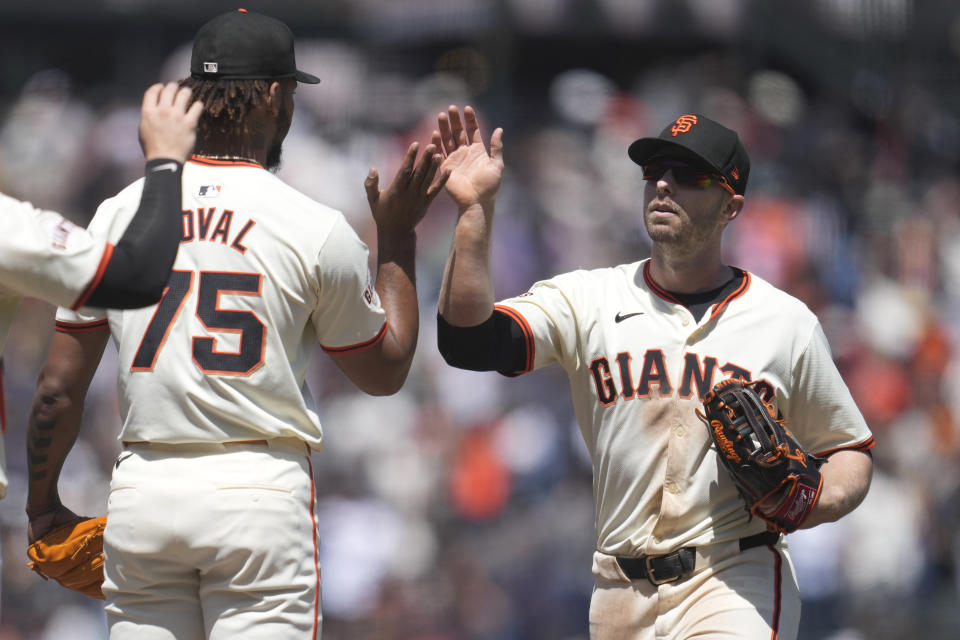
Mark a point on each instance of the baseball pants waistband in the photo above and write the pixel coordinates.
(679, 564)
(283, 444)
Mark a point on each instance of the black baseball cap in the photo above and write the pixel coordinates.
(698, 138)
(242, 45)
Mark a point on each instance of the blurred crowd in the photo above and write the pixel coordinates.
(461, 508)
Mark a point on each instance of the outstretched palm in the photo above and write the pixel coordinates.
(402, 205)
(475, 174)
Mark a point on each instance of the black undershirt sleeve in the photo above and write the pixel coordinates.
(496, 344)
(140, 264)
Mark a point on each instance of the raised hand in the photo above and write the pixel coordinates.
(475, 174)
(168, 122)
(403, 204)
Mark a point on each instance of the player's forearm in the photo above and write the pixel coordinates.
(140, 265)
(846, 480)
(54, 420)
(396, 286)
(52, 429)
(466, 293)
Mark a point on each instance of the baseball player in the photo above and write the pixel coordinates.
(211, 529)
(677, 555)
(44, 255)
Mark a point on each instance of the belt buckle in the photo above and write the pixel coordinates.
(650, 573)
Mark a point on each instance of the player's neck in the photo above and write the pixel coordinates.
(688, 274)
(251, 143)
(230, 151)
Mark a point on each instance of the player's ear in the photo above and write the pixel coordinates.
(274, 95)
(733, 207)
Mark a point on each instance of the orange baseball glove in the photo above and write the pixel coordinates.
(72, 554)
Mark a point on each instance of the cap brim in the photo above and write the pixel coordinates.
(645, 149)
(307, 78)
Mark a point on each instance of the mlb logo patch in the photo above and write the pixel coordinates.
(209, 191)
(210, 67)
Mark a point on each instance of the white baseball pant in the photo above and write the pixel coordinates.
(731, 595)
(212, 542)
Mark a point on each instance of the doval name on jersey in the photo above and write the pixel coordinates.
(199, 225)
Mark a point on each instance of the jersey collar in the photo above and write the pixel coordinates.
(221, 162)
(717, 308)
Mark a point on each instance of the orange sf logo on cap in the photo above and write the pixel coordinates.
(683, 124)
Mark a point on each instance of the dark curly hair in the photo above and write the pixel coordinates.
(226, 103)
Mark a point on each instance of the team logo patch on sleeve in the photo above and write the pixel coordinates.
(61, 233)
(209, 191)
(370, 296)
(59, 230)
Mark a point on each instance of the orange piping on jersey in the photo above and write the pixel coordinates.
(527, 333)
(212, 162)
(777, 592)
(657, 289)
(80, 327)
(860, 446)
(97, 277)
(316, 551)
(360, 345)
(744, 285)
(663, 293)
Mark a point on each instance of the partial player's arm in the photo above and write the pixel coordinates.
(466, 293)
(470, 334)
(54, 422)
(382, 368)
(139, 265)
(833, 427)
(846, 480)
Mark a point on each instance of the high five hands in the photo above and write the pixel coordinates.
(404, 203)
(474, 174)
(456, 158)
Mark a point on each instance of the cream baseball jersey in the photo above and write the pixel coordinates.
(43, 255)
(262, 275)
(639, 365)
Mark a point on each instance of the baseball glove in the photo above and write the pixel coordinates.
(779, 481)
(72, 554)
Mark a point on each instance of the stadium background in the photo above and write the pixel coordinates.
(461, 508)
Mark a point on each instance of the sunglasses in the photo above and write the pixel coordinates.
(685, 175)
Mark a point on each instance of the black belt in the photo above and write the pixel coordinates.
(680, 563)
